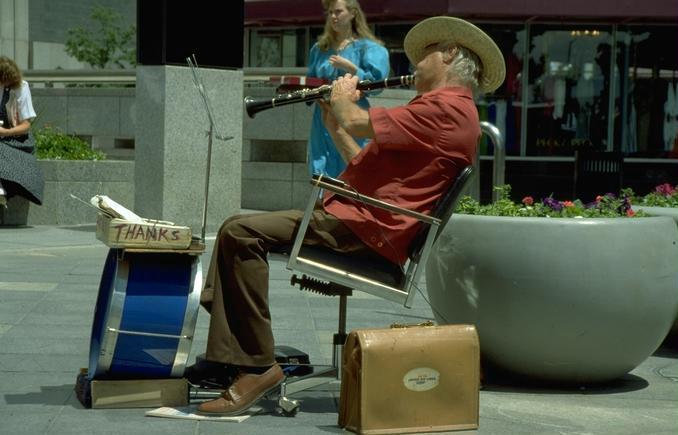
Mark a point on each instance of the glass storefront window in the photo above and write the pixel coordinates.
(648, 125)
(570, 83)
(277, 48)
(392, 37)
(568, 89)
(502, 107)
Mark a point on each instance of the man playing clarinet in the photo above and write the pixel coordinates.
(416, 151)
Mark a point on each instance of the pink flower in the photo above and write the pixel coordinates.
(568, 203)
(665, 189)
(528, 200)
(599, 198)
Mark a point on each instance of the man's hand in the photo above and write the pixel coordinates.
(345, 88)
(345, 144)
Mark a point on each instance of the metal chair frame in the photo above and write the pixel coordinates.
(343, 281)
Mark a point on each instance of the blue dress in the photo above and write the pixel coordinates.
(373, 64)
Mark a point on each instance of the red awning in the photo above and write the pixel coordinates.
(297, 12)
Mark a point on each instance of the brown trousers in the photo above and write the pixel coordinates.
(236, 285)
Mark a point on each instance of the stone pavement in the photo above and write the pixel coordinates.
(49, 278)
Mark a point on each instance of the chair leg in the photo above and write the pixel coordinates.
(339, 338)
(323, 375)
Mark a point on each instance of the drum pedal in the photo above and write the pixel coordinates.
(292, 361)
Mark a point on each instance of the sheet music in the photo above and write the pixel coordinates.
(112, 208)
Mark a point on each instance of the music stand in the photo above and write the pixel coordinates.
(197, 81)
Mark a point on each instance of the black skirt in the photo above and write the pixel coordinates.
(19, 171)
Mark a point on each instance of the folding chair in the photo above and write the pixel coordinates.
(336, 274)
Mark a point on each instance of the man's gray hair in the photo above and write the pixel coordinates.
(465, 66)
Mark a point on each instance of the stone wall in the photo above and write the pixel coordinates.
(104, 117)
(82, 179)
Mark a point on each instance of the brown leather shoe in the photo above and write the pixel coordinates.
(245, 391)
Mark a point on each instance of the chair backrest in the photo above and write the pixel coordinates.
(597, 173)
(444, 208)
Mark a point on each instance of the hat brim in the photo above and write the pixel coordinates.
(439, 29)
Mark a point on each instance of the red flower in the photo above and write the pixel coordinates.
(630, 213)
(568, 203)
(528, 200)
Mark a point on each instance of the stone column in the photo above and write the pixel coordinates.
(14, 31)
(171, 145)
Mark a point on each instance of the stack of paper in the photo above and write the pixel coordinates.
(189, 413)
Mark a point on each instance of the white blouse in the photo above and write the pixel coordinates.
(20, 105)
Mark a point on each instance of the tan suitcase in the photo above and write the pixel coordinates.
(414, 379)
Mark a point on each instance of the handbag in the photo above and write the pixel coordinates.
(410, 379)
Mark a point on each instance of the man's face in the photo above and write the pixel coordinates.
(430, 70)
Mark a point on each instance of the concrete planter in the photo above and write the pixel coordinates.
(84, 179)
(572, 300)
(671, 212)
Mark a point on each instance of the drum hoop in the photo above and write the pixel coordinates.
(113, 316)
(190, 319)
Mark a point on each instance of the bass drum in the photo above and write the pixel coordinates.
(145, 315)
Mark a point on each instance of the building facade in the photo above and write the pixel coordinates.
(581, 76)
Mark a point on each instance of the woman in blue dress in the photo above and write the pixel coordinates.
(346, 46)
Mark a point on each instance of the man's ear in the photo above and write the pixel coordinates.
(449, 54)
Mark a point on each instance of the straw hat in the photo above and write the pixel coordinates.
(440, 29)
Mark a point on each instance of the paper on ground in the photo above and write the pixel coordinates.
(189, 413)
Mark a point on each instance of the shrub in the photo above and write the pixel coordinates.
(53, 144)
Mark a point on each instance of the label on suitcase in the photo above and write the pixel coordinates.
(416, 379)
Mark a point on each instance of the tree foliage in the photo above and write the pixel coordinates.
(109, 44)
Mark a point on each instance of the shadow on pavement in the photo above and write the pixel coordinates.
(501, 381)
(49, 395)
(88, 228)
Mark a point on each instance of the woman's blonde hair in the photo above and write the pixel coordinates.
(10, 74)
(359, 24)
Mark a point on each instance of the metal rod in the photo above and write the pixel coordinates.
(192, 63)
(147, 334)
(207, 179)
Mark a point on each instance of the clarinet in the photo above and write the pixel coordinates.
(254, 106)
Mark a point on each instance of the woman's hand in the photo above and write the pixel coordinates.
(343, 64)
(20, 129)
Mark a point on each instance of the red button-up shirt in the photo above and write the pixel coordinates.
(418, 150)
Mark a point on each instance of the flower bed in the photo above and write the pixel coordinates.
(608, 205)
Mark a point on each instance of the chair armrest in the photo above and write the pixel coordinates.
(342, 189)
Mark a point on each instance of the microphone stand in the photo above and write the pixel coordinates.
(197, 81)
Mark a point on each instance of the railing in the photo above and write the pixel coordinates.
(129, 77)
(499, 163)
(52, 76)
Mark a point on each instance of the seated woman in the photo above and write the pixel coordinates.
(19, 170)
